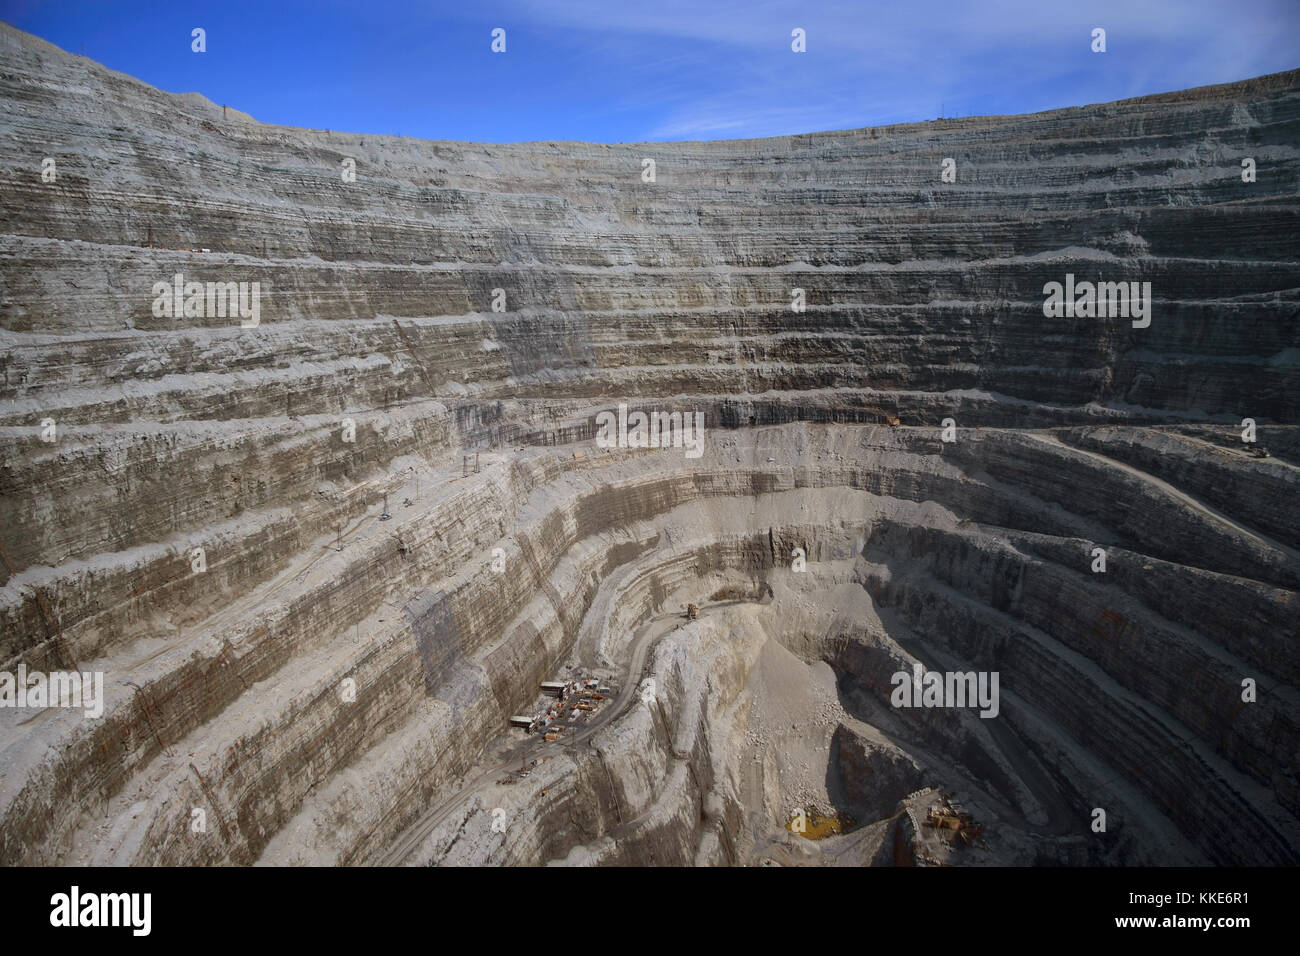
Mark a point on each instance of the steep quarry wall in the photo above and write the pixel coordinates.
(320, 559)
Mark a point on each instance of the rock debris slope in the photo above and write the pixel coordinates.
(193, 507)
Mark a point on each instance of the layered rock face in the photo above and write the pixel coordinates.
(322, 550)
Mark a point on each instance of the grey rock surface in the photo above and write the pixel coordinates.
(335, 688)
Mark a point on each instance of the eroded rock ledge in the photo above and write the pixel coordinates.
(335, 688)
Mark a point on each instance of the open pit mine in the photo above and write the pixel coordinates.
(916, 495)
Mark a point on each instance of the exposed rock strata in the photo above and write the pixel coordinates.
(1120, 690)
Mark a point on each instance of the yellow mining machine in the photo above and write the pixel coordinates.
(949, 815)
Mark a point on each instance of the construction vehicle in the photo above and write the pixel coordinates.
(692, 612)
(893, 421)
(949, 815)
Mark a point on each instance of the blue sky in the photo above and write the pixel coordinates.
(635, 70)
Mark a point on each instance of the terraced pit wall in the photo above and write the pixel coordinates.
(380, 366)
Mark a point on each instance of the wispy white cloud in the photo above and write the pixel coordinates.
(725, 69)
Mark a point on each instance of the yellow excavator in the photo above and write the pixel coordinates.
(950, 816)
